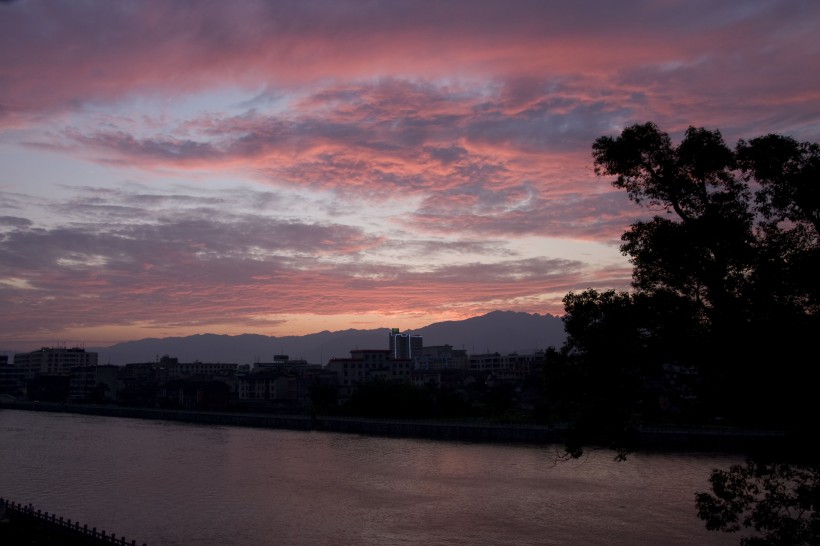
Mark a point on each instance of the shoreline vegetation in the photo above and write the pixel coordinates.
(711, 438)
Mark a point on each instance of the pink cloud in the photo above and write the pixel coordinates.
(120, 282)
(58, 57)
(200, 268)
(482, 113)
(370, 146)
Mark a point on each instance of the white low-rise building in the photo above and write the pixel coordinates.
(54, 360)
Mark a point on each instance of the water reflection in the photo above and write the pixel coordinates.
(170, 483)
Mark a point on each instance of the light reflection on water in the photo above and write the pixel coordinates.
(174, 484)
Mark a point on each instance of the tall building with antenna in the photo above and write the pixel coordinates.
(405, 345)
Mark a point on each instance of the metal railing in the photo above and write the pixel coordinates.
(12, 511)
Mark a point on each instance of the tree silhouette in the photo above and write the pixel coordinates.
(725, 282)
(737, 245)
(779, 501)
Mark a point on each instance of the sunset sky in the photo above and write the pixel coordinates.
(178, 167)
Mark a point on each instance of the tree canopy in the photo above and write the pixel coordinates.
(720, 322)
(725, 273)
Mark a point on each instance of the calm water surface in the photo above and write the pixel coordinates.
(178, 484)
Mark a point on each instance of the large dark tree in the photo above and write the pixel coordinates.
(735, 238)
(588, 389)
(780, 501)
(627, 360)
(726, 269)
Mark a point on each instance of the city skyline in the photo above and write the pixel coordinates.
(287, 168)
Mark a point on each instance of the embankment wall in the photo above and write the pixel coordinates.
(658, 437)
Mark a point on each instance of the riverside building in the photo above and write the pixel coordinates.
(53, 360)
(406, 345)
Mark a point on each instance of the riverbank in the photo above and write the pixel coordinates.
(719, 439)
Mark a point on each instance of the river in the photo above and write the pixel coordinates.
(166, 483)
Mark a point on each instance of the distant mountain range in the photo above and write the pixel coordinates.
(500, 331)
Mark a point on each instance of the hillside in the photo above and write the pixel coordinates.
(499, 331)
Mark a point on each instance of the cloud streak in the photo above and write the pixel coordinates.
(202, 269)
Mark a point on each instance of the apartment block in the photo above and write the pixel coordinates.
(53, 360)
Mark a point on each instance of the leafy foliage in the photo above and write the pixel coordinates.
(736, 251)
(611, 372)
(781, 502)
(725, 282)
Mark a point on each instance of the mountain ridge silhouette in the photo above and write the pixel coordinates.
(498, 331)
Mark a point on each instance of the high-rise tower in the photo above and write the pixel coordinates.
(405, 345)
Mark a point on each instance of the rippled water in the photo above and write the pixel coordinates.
(174, 484)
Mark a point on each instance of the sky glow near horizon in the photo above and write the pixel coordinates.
(282, 168)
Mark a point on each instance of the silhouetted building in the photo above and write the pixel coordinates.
(368, 364)
(405, 345)
(190, 369)
(94, 384)
(12, 378)
(426, 378)
(49, 387)
(509, 368)
(267, 385)
(139, 373)
(282, 363)
(170, 368)
(442, 357)
(194, 394)
(54, 360)
(147, 383)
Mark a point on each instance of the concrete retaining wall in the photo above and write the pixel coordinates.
(677, 438)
